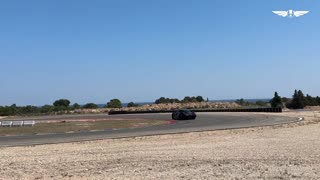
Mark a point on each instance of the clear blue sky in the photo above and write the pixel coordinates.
(139, 50)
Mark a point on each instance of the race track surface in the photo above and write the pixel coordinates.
(204, 122)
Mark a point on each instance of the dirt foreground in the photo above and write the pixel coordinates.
(280, 152)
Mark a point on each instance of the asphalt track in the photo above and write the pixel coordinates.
(204, 122)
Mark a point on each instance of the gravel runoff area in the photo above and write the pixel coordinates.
(277, 152)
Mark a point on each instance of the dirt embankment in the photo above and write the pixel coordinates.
(279, 152)
(313, 108)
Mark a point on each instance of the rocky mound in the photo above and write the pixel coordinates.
(165, 107)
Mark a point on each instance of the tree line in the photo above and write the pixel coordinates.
(63, 105)
(297, 101)
(186, 99)
(58, 106)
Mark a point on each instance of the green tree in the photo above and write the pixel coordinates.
(61, 103)
(199, 99)
(240, 101)
(174, 100)
(285, 100)
(310, 101)
(114, 103)
(25, 110)
(297, 101)
(47, 109)
(302, 98)
(76, 106)
(90, 106)
(2, 111)
(160, 100)
(13, 109)
(261, 103)
(187, 99)
(276, 101)
(318, 100)
(164, 100)
(6, 111)
(132, 104)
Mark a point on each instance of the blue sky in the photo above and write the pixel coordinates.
(139, 50)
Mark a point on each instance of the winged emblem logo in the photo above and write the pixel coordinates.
(290, 13)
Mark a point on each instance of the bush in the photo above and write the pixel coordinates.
(114, 103)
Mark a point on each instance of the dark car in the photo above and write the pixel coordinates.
(183, 115)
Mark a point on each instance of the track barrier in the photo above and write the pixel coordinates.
(268, 110)
(6, 123)
(29, 123)
(16, 123)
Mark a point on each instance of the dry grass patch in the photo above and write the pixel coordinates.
(77, 126)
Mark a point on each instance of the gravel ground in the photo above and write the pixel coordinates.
(279, 152)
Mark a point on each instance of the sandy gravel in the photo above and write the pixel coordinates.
(280, 152)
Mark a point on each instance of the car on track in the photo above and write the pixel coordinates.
(184, 115)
